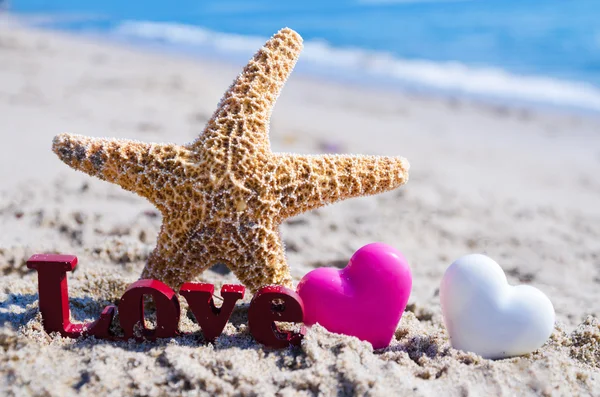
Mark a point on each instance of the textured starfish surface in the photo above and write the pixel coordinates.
(224, 196)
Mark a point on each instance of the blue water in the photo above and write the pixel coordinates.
(543, 51)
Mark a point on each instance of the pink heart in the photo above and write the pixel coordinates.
(365, 299)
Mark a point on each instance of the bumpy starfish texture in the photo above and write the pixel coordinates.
(224, 196)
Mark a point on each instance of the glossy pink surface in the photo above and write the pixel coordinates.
(365, 299)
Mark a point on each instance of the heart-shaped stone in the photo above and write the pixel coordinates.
(365, 299)
(487, 316)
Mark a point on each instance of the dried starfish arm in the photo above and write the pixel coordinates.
(123, 162)
(309, 182)
(241, 122)
(177, 258)
(262, 261)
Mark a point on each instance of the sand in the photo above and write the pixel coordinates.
(520, 185)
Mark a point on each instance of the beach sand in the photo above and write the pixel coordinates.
(519, 185)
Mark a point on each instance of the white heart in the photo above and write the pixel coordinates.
(487, 316)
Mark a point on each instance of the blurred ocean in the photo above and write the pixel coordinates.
(544, 52)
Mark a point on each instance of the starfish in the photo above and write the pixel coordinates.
(224, 195)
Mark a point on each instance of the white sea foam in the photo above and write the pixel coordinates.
(451, 77)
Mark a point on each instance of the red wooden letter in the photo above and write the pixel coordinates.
(131, 310)
(264, 312)
(53, 298)
(211, 319)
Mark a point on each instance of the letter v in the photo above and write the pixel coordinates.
(211, 319)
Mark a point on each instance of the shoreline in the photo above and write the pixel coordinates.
(359, 80)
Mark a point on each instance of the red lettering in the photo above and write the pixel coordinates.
(53, 297)
(275, 303)
(131, 310)
(212, 320)
(270, 304)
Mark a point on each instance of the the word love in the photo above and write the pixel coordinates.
(270, 304)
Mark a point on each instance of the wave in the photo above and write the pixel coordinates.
(321, 57)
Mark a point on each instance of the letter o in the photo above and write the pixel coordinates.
(131, 310)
